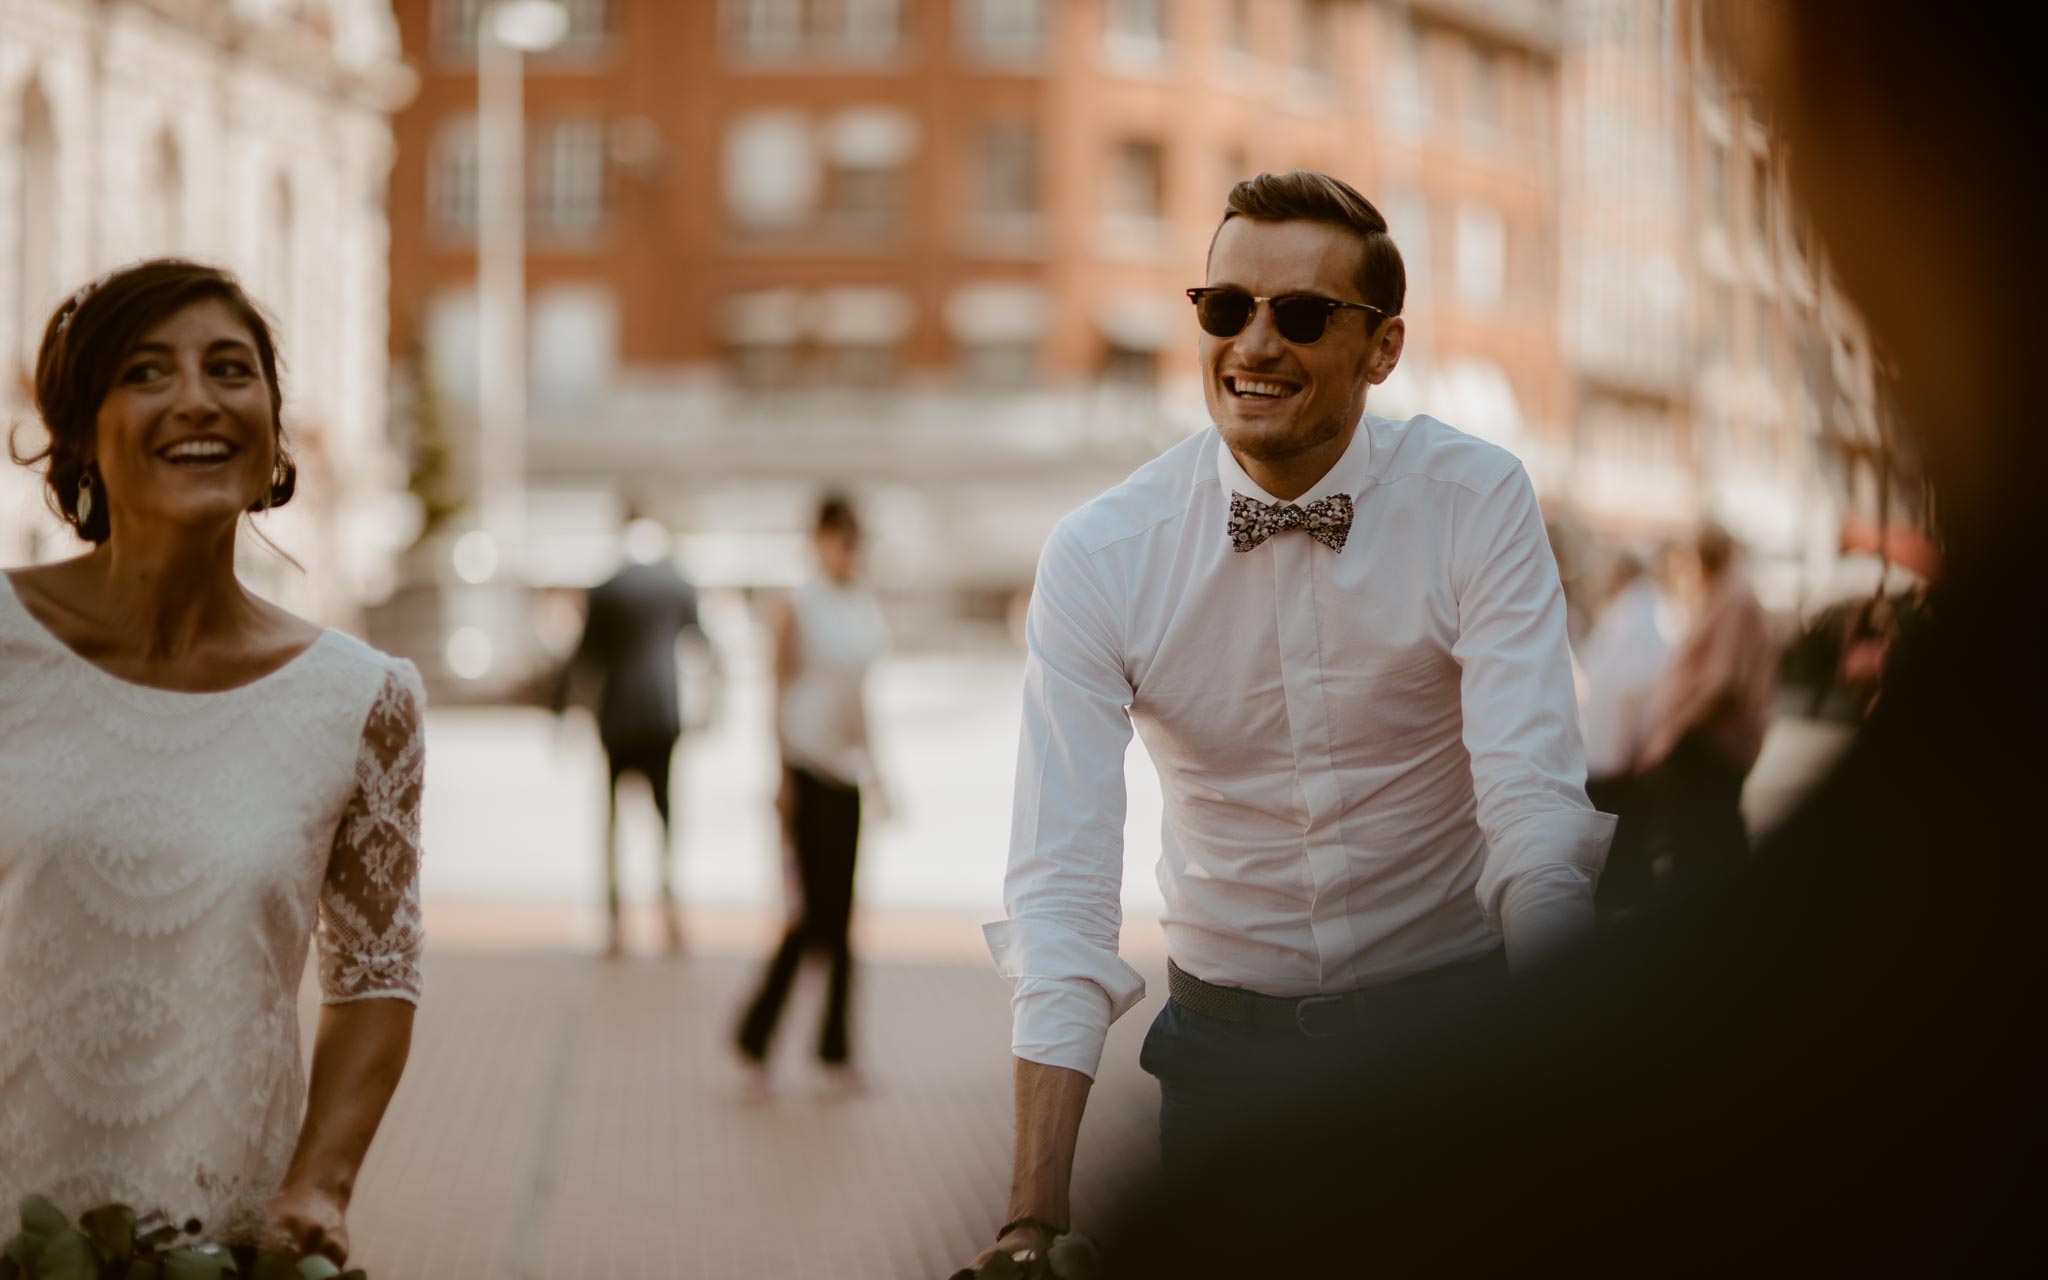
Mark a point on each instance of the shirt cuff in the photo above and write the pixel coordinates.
(1544, 911)
(1066, 991)
(1570, 838)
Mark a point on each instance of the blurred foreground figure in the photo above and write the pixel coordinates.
(629, 642)
(826, 638)
(1830, 1062)
(1709, 718)
(193, 784)
(1343, 638)
(1623, 660)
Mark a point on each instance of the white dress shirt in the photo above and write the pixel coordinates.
(1370, 759)
(1623, 661)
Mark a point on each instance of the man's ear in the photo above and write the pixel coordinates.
(1386, 349)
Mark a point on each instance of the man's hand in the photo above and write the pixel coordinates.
(1023, 1244)
(303, 1220)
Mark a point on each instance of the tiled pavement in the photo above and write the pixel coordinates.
(564, 1116)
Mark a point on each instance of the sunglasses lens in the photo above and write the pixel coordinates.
(1224, 313)
(1300, 320)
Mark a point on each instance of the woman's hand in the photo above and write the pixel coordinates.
(303, 1220)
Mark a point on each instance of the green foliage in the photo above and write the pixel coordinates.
(105, 1245)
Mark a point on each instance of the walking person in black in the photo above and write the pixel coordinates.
(826, 637)
(629, 641)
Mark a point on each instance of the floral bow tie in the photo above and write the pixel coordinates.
(1327, 520)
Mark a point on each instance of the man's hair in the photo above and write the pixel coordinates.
(1715, 547)
(1303, 195)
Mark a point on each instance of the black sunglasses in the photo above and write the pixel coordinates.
(1301, 318)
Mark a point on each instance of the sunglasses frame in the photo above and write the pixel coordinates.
(1330, 305)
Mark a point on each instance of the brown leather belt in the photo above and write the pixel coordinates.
(1320, 1017)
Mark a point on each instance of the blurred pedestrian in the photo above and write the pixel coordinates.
(1709, 719)
(826, 637)
(1622, 662)
(193, 782)
(631, 629)
(1343, 638)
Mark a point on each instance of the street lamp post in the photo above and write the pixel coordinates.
(506, 31)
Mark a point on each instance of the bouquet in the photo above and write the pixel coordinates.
(109, 1243)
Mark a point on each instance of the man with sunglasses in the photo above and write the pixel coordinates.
(1343, 639)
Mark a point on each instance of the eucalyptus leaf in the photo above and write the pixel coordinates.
(358, 1274)
(317, 1267)
(157, 1237)
(67, 1256)
(21, 1251)
(145, 1269)
(41, 1220)
(1074, 1257)
(191, 1264)
(111, 1228)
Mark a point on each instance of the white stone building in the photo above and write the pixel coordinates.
(250, 133)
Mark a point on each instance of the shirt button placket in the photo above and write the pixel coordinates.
(1308, 720)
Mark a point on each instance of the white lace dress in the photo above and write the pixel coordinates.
(164, 860)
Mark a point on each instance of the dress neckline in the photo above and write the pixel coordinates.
(51, 639)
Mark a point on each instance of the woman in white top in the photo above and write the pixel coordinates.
(825, 640)
(193, 783)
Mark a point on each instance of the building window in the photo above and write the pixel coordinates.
(1481, 256)
(574, 342)
(456, 25)
(452, 181)
(567, 182)
(165, 206)
(999, 366)
(771, 172)
(1002, 30)
(858, 29)
(1315, 38)
(1129, 366)
(868, 151)
(1237, 28)
(1407, 215)
(1136, 33)
(1137, 186)
(1009, 171)
(765, 28)
(1483, 107)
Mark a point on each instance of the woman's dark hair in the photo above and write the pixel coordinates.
(88, 337)
(835, 515)
(1307, 196)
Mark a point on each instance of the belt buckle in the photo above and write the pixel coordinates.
(1301, 1021)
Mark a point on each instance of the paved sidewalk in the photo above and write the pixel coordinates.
(564, 1116)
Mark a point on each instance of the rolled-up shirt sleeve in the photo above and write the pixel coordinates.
(1545, 842)
(1063, 891)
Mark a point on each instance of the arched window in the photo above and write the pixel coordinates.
(279, 252)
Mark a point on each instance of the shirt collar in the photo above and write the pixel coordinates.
(1348, 475)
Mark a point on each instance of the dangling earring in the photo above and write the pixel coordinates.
(84, 499)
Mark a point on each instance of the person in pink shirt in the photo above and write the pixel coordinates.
(1711, 713)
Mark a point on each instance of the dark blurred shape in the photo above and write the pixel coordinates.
(1826, 1062)
(629, 641)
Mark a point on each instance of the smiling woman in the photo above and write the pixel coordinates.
(193, 782)
(114, 347)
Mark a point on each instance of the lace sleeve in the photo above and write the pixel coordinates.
(370, 929)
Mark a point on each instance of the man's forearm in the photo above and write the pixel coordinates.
(1050, 1101)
